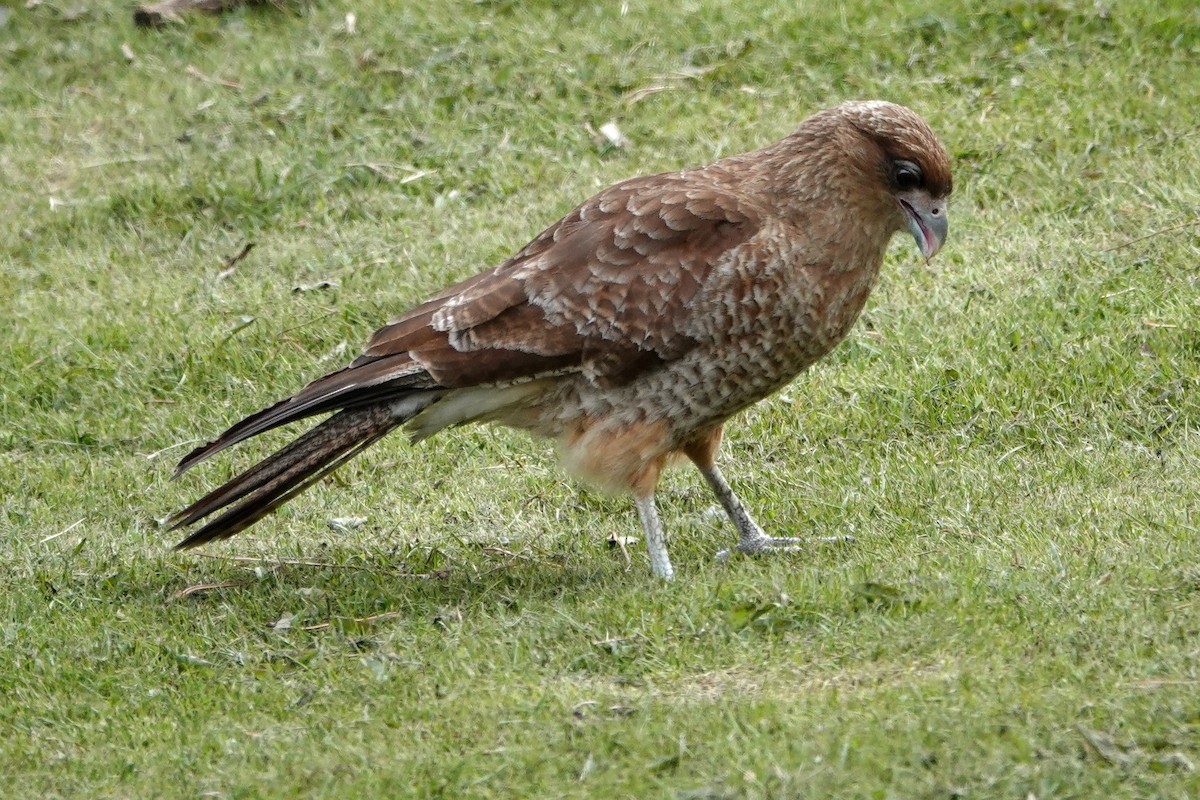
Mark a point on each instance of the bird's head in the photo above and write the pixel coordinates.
(897, 167)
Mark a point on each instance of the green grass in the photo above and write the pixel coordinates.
(1012, 434)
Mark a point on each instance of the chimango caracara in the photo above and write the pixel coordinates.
(630, 330)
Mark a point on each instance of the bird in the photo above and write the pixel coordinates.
(631, 330)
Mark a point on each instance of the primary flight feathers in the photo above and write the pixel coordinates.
(632, 328)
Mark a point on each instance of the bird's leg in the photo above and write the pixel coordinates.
(656, 541)
(751, 538)
(703, 452)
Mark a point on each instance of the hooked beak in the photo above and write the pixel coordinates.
(926, 221)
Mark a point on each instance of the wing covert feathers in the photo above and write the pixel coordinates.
(607, 290)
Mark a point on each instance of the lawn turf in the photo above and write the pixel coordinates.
(1010, 433)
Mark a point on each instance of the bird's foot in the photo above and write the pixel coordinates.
(780, 544)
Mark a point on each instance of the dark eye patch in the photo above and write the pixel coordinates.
(906, 175)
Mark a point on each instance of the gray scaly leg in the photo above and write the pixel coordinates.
(751, 538)
(656, 542)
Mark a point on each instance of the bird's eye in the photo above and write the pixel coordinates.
(907, 175)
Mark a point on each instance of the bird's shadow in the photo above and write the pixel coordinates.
(339, 585)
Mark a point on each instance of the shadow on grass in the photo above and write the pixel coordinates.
(348, 584)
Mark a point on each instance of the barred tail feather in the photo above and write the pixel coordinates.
(269, 484)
